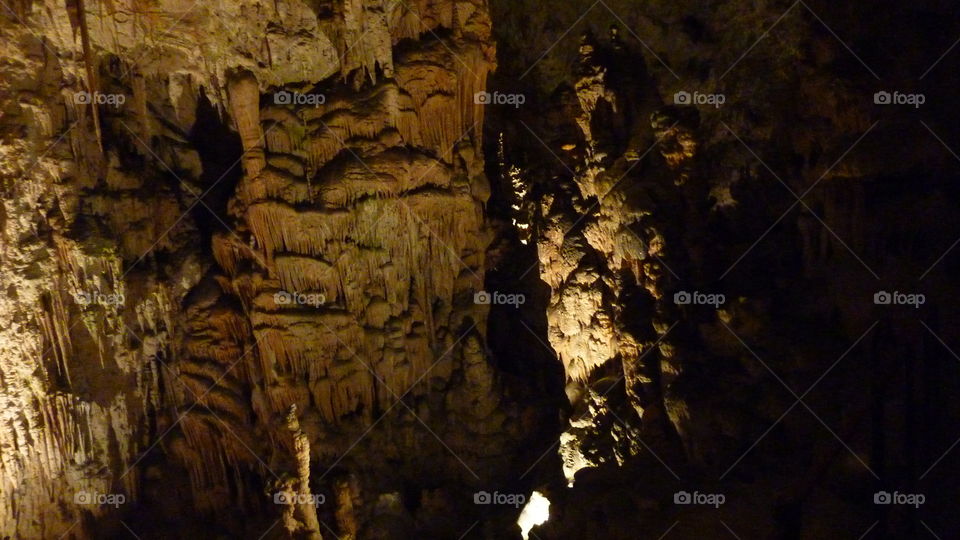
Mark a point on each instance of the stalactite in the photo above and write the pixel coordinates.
(375, 239)
(244, 95)
(368, 22)
(88, 59)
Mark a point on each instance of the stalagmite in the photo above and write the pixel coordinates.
(301, 446)
(345, 491)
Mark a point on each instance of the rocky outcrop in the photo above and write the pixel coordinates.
(700, 221)
(347, 287)
(603, 248)
(244, 243)
(91, 301)
(338, 278)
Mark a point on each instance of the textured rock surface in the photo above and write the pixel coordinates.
(349, 281)
(244, 281)
(632, 198)
(370, 204)
(85, 330)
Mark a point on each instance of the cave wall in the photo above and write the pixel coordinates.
(145, 313)
(91, 298)
(252, 268)
(629, 197)
(350, 278)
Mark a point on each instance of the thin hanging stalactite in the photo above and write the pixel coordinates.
(91, 73)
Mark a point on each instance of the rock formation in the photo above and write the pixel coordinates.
(338, 278)
(467, 269)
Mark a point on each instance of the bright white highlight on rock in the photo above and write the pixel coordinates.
(536, 512)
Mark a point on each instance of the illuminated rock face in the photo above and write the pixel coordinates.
(603, 249)
(359, 244)
(244, 282)
(84, 332)
(345, 281)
